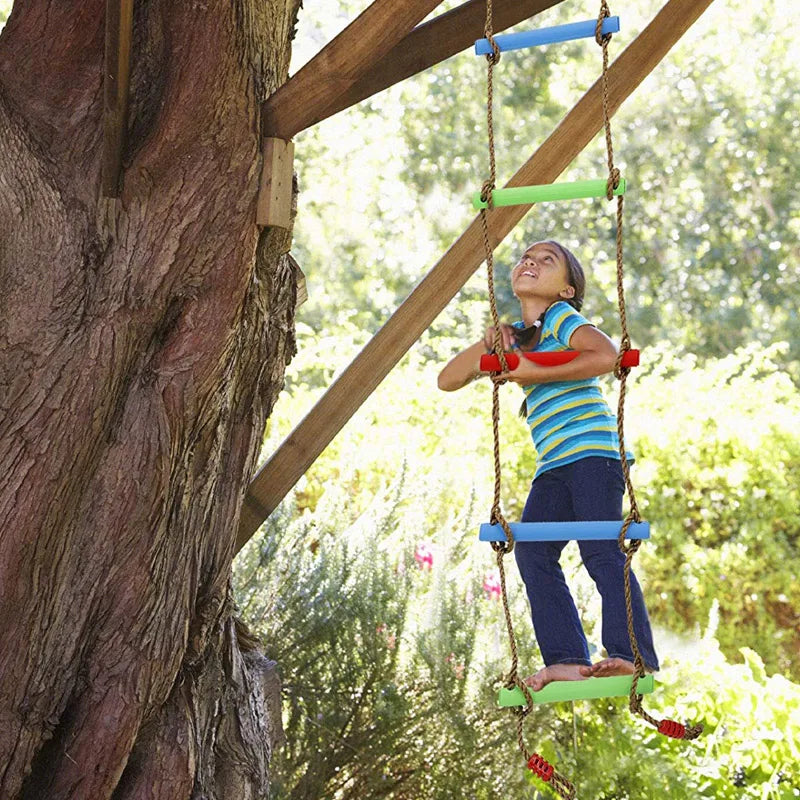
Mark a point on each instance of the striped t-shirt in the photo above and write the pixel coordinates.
(569, 420)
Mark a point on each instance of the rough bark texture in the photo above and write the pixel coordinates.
(142, 344)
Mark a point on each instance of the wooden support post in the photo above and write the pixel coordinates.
(428, 44)
(296, 104)
(274, 207)
(434, 292)
(300, 279)
(116, 84)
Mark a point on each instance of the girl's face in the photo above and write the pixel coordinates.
(542, 272)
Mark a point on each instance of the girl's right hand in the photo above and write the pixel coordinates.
(507, 332)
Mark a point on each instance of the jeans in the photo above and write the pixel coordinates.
(588, 489)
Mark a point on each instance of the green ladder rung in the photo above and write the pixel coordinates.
(524, 195)
(589, 689)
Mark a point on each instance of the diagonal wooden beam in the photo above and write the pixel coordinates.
(340, 64)
(291, 460)
(116, 83)
(430, 43)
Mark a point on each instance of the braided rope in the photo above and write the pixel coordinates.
(628, 548)
(561, 785)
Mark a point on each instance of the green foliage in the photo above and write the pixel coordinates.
(389, 669)
(712, 234)
(375, 655)
(722, 490)
(5, 10)
(746, 750)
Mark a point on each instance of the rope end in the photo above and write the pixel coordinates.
(676, 730)
(544, 769)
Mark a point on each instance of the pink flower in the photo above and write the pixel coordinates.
(424, 555)
(491, 585)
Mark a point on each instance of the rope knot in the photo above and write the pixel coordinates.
(629, 547)
(621, 372)
(486, 193)
(599, 36)
(494, 56)
(502, 548)
(544, 769)
(515, 681)
(612, 182)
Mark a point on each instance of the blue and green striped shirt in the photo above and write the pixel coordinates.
(569, 420)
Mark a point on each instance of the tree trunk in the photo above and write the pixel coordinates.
(142, 344)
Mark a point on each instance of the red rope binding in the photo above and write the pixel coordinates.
(541, 767)
(671, 728)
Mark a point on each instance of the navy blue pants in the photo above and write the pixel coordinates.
(588, 489)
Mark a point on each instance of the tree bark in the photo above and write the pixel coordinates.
(142, 345)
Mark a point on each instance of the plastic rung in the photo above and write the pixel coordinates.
(563, 531)
(553, 35)
(491, 362)
(590, 689)
(525, 195)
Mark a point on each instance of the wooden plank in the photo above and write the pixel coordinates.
(432, 42)
(274, 208)
(340, 64)
(318, 428)
(116, 84)
(300, 279)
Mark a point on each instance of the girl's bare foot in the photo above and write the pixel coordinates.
(558, 672)
(611, 666)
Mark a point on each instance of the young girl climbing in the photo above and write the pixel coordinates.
(578, 473)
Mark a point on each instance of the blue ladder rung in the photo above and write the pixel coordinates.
(558, 33)
(563, 531)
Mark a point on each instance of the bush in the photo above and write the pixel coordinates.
(390, 664)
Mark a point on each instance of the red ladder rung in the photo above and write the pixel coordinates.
(491, 362)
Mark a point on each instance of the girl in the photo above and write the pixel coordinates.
(578, 472)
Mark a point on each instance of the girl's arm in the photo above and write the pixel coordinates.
(465, 367)
(597, 356)
(462, 369)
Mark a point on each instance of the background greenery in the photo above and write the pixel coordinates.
(390, 664)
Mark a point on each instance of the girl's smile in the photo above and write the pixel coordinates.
(545, 265)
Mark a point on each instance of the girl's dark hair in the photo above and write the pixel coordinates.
(577, 278)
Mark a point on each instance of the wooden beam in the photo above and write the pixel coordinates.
(340, 64)
(432, 42)
(300, 280)
(296, 454)
(274, 207)
(116, 83)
